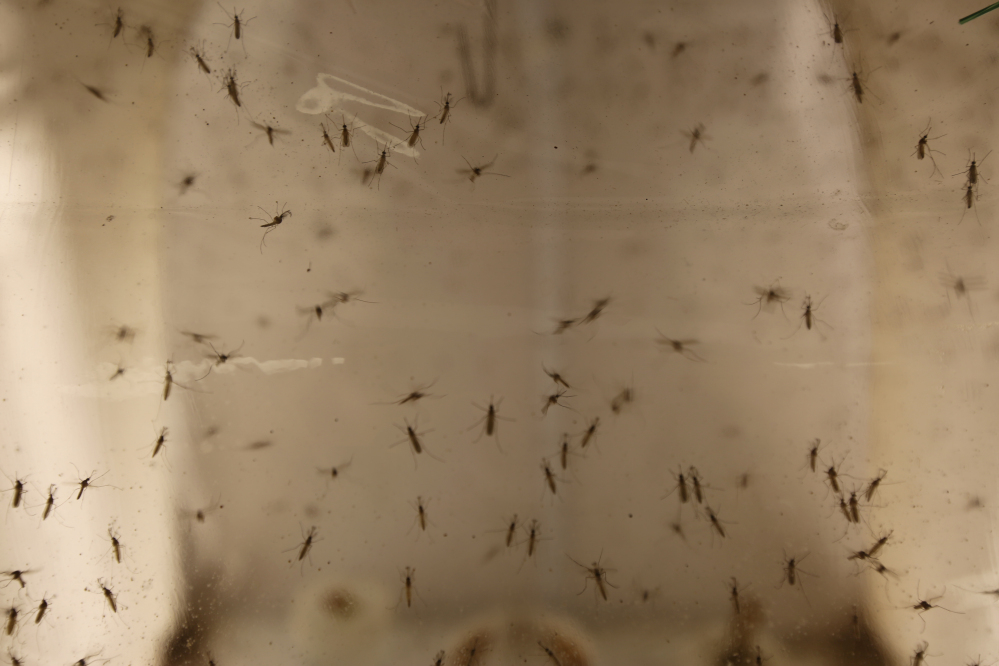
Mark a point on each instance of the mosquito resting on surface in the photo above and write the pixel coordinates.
(445, 111)
(414, 131)
(696, 136)
(276, 220)
(237, 25)
(598, 574)
(489, 420)
(598, 308)
(199, 57)
(553, 399)
(681, 485)
(556, 377)
(923, 149)
(589, 433)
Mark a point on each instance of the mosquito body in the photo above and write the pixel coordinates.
(474, 172)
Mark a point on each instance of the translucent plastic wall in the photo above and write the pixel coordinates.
(282, 315)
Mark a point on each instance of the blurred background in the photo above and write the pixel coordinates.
(525, 332)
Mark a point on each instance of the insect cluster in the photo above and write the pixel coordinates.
(579, 439)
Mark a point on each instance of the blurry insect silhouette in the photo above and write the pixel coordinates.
(474, 172)
(590, 432)
(716, 522)
(201, 514)
(439, 659)
(695, 482)
(879, 544)
(625, 397)
(198, 338)
(556, 377)
(793, 572)
(768, 296)
(733, 593)
(96, 92)
(414, 131)
(17, 575)
(813, 452)
(119, 371)
(832, 476)
(549, 476)
(146, 33)
(160, 441)
(598, 574)
(49, 502)
(270, 131)
(854, 507)
(333, 473)
(923, 605)
(681, 347)
(89, 482)
(124, 333)
(237, 25)
(563, 325)
(919, 655)
(232, 87)
(696, 136)
(416, 395)
(511, 531)
(923, 149)
(199, 57)
(598, 308)
(187, 183)
(962, 286)
(275, 222)
(550, 653)
(18, 489)
(681, 485)
(304, 548)
(11, 619)
(872, 486)
(407, 586)
(326, 138)
(43, 607)
(553, 400)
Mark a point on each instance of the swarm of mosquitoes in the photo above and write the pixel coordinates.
(850, 498)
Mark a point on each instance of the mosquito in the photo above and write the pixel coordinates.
(695, 482)
(681, 485)
(160, 441)
(17, 575)
(715, 521)
(872, 486)
(408, 586)
(199, 338)
(416, 395)
(346, 134)
(199, 57)
(326, 138)
(237, 25)
(962, 286)
(119, 24)
(89, 483)
(270, 131)
(813, 452)
(276, 221)
(550, 653)
(43, 606)
(589, 433)
(308, 538)
(11, 619)
(920, 654)
(489, 419)
(511, 530)
(414, 130)
(556, 377)
(792, 571)
(808, 315)
(109, 595)
(147, 33)
(49, 502)
(553, 399)
(445, 111)
(972, 170)
(474, 172)
(413, 438)
(879, 544)
(116, 546)
(563, 325)
(380, 163)
(549, 476)
(232, 88)
(733, 593)
(421, 513)
(18, 489)
(598, 574)
(768, 296)
(832, 476)
(98, 93)
(923, 149)
(119, 371)
(681, 347)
